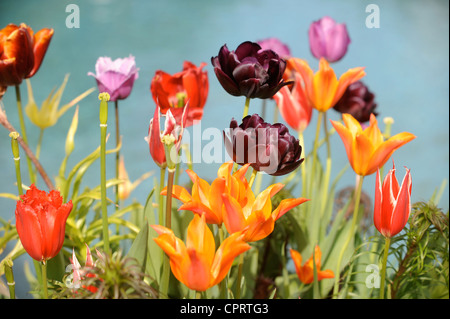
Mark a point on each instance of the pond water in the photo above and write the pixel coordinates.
(406, 61)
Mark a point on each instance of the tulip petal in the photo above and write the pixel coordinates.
(179, 193)
(402, 208)
(233, 217)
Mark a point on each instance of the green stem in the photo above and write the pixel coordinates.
(44, 280)
(198, 295)
(314, 154)
(387, 243)
(24, 132)
(103, 187)
(246, 107)
(239, 276)
(161, 198)
(303, 168)
(168, 224)
(222, 284)
(328, 168)
(357, 198)
(116, 107)
(16, 155)
(9, 274)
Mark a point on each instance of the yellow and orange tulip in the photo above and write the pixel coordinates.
(230, 200)
(306, 272)
(366, 149)
(323, 88)
(197, 264)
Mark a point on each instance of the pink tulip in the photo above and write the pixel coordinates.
(115, 77)
(276, 45)
(328, 40)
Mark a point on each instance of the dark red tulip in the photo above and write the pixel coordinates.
(249, 71)
(358, 101)
(269, 148)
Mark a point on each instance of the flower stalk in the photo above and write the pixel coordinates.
(387, 244)
(15, 150)
(9, 274)
(104, 98)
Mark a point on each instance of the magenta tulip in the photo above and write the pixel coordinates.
(115, 77)
(328, 39)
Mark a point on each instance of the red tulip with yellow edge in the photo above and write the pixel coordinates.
(21, 52)
(306, 272)
(197, 264)
(323, 88)
(366, 149)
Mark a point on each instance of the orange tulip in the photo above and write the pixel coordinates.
(197, 264)
(41, 222)
(294, 105)
(392, 203)
(172, 92)
(254, 217)
(21, 52)
(230, 200)
(306, 272)
(206, 199)
(366, 149)
(322, 88)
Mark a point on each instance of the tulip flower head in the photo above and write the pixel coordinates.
(80, 273)
(358, 101)
(41, 222)
(230, 200)
(266, 147)
(366, 149)
(294, 105)
(249, 71)
(197, 264)
(323, 88)
(306, 272)
(115, 77)
(392, 203)
(172, 92)
(328, 39)
(171, 136)
(21, 52)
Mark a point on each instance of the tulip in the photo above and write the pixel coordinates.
(322, 88)
(276, 45)
(391, 211)
(306, 272)
(206, 199)
(172, 92)
(358, 101)
(392, 203)
(78, 272)
(268, 148)
(21, 52)
(294, 105)
(366, 149)
(249, 71)
(115, 77)
(49, 113)
(41, 222)
(197, 264)
(328, 39)
(172, 134)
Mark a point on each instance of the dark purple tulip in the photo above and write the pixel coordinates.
(249, 71)
(357, 101)
(266, 147)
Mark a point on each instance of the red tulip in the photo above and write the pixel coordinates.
(392, 203)
(41, 222)
(173, 129)
(21, 52)
(172, 92)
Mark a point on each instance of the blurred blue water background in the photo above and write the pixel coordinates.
(406, 61)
